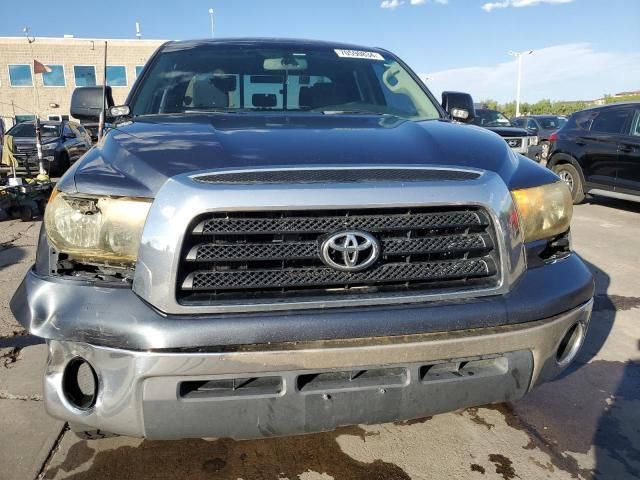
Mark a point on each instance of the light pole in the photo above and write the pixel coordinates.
(519, 56)
(211, 16)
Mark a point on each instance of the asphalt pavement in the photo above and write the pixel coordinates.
(583, 425)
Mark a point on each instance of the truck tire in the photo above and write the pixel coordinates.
(61, 167)
(26, 213)
(570, 175)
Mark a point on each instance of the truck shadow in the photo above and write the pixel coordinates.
(224, 459)
(626, 205)
(591, 408)
(590, 411)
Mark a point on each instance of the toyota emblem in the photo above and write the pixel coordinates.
(350, 251)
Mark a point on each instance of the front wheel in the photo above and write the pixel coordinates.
(570, 175)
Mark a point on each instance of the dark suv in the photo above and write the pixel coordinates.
(62, 144)
(598, 152)
(520, 140)
(542, 126)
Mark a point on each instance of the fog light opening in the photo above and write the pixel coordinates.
(570, 344)
(80, 384)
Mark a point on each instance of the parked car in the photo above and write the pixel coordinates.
(240, 261)
(542, 126)
(62, 144)
(519, 139)
(598, 152)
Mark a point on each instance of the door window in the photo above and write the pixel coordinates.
(67, 132)
(610, 121)
(635, 125)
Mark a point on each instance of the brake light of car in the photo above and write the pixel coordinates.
(553, 137)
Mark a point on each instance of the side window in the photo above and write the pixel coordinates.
(264, 91)
(531, 124)
(518, 122)
(610, 121)
(67, 132)
(635, 124)
(82, 131)
(397, 101)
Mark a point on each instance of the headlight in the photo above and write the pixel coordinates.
(544, 211)
(49, 146)
(96, 229)
(533, 140)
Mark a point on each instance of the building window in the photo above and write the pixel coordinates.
(139, 70)
(54, 78)
(20, 75)
(85, 75)
(116, 76)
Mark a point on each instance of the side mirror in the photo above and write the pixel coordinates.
(459, 106)
(86, 103)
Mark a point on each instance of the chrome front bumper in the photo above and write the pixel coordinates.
(286, 389)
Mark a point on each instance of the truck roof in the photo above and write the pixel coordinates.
(178, 45)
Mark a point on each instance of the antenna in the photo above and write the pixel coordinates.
(138, 34)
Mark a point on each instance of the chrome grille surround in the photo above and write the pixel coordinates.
(181, 200)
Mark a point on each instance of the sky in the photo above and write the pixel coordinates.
(582, 49)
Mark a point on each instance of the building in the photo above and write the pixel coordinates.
(73, 62)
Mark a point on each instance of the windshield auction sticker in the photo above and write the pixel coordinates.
(359, 54)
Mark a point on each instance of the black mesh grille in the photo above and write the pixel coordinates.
(338, 176)
(370, 223)
(230, 256)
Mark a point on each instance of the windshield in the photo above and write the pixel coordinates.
(240, 78)
(29, 130)
(552, 123)
(490, 118)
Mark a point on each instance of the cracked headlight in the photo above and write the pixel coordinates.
(96, 229)
(544, 211)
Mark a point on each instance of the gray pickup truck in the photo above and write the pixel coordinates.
(280, 237)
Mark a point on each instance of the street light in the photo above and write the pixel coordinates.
(211, 16)
(519, 56)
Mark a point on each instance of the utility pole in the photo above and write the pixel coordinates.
(211, 16)
(519, 56)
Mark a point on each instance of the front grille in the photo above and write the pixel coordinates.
(514, 142)
(230, 256)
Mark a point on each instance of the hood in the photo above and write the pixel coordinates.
(509, 131)
(138, 157)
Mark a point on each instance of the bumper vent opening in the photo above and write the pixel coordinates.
(471, 368)
(232, 387)
(80, 384)
(354, 379)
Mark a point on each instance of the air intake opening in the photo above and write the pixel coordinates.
(570, 344)
(80, 384)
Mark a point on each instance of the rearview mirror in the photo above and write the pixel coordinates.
(290, 62)
(459, 106)
(86, 103)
